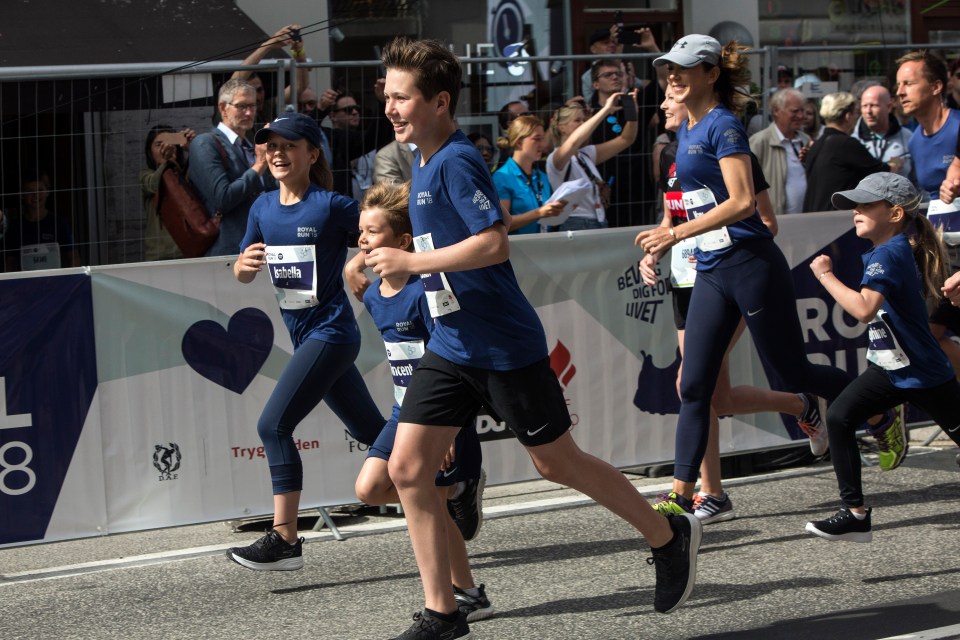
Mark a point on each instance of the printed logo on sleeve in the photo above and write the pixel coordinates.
(482, 201)
(875, 269)
(732, 135)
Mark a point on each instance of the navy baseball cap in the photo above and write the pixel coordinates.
(292, 126)
(691, 50)
(884, 185)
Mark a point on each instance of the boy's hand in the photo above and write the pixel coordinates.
(387, 262)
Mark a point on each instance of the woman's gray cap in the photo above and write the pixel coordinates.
(691, 50)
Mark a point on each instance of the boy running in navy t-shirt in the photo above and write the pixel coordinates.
(487, 348)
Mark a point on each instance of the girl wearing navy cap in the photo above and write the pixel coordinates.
(740, 271)
(300, 235)
(907, 263)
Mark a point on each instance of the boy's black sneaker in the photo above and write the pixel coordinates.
(269, 553)
(467, 508)
(676, 563)
(843, 526)
(474, 607)
(427, 627)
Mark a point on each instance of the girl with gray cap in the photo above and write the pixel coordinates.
(908, 261)
(740, 271)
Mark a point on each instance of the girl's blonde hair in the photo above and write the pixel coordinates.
(928, 249)
(520, 129)
(561, 116)
(394, 201)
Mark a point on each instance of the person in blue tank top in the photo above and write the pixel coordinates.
(488, 347)
(399, 310)
(740, 271)
(524, 188)
(907, 263)
(299, 234)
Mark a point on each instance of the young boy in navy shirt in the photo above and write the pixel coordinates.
(488, 346)
(399, 311)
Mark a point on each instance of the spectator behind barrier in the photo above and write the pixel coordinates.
(836, 162)
(287, 36)
(629, 176)
(523, 188)
(921, 81)
(229, 188)
(347, 142)
(394, 163)
(160, 152)
(345, 115)
(780, 148)
(811, 119)
(38, 238)
(953, 85)
(880, 133)
(602, 45)
(482, 143)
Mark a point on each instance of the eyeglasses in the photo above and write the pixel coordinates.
(606, 75)
(349, 109)
(243, 106)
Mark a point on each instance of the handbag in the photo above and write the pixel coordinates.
(183, 213)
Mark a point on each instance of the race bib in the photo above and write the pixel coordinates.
(293, 272)
(34, 257)
(403, 358)
(884, 350)
(440, 297)
(947, 216)
(699, 203)
(683, 271)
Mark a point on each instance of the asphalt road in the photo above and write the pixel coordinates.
(556, 568)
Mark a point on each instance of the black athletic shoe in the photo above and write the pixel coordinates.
(269, 553)
(843, 526)
(426, 627)
(474, 607)
(467, 508)
(676, 563)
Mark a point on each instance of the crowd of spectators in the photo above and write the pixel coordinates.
(808, 147)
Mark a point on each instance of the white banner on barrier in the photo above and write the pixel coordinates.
(186, 358)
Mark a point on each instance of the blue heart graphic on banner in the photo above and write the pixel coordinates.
(230, 357)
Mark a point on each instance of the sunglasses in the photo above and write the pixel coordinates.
(606, 75)
(349, 109)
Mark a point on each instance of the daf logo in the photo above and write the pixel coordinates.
(166, 460)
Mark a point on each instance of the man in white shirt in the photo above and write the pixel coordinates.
(780, 149)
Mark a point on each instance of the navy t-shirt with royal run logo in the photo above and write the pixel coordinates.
(306, 250)
(718, 135)
(453, 198)
(899, 337)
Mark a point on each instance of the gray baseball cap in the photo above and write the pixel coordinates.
(891, 187)
(691, 50)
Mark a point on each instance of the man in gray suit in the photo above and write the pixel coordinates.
(393, 163)
(780, 148)
(226, 169)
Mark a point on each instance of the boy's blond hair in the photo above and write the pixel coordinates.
(394, 201)
(434, 67)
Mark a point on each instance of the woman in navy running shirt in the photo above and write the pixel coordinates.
(740, 271)
(300, 234)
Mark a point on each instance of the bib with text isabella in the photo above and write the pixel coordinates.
(293, 272)
(699, 203)
(884, 350)
(440, 297)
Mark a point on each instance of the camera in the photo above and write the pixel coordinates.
(626, 34)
